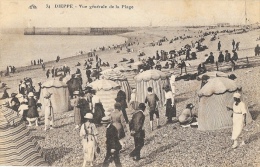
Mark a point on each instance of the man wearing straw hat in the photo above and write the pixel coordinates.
(49, 115)
(112, 142)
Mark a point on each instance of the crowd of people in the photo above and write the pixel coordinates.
(89, 112)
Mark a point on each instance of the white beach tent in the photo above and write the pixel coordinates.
(121, 80)
(151, 78)
(60, 95)
(107, 91)
(214, 97)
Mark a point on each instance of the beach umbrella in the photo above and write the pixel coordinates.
(122, 69)
(214, 74)
(60, 95)
(120, 79)
(17, 145)
(151, 78)
(104, 84)
(106, 71)
(107, 91)
(214, 97)
(138, 63)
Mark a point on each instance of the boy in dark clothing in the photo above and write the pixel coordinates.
(152, 101)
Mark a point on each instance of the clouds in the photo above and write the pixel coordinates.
(15, 13)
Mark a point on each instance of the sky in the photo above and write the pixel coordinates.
(16, 13)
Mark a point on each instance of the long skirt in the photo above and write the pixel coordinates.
(89, 148)
(170, 110)
(99, 113)
(32, 112)
(237, 125)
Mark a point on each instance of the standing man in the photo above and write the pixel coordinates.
(237, 46)
(257, 50)
(112, 142)
(219, 45)
(121, 98)
(152, 101)
(233, 44)
(136, 129)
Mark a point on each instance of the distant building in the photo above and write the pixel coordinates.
(223, 24)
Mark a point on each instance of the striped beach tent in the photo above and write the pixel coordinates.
(107, 91)
(151, 78)
(130, 78)
(214, 97)
(119, 78)
(17, 146)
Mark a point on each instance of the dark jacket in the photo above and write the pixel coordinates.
(121, 98)
(112, 138)
(137, 123)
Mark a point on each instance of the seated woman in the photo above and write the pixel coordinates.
(98, 110)
(187, 117)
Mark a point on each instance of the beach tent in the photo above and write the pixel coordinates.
(119, 78)
(130, 78)
(107, 91)
(151, 78)
(60, 95)
(214, 97)
(17, 146)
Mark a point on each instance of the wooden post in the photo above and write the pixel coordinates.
(247, 60)
(217, 65)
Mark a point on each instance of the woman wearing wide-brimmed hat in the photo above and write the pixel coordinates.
(77, 115)
(89, 133)
(49, 115)
(32, 114)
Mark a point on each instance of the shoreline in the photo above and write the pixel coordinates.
(50, 63)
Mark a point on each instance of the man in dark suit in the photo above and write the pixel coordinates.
(112, 142)
(136, 129)
(121, 98)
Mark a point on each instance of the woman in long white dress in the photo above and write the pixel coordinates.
(89, 133)
(239, 118)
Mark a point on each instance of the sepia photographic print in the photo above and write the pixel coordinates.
(130, 83)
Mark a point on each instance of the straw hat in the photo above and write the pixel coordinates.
(30, 94)
(237, 95)
(76, 92)
(106, 120)
(89, 116)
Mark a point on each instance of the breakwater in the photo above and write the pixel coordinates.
(75, 31)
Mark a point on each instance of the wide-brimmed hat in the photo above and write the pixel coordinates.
(106, 120)
(89, 116)
(48, 94)
(13, 94)
(19, 95)
(237, 95)
(30, 94)
(76, 92)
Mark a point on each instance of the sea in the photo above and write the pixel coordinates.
(19, 50)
